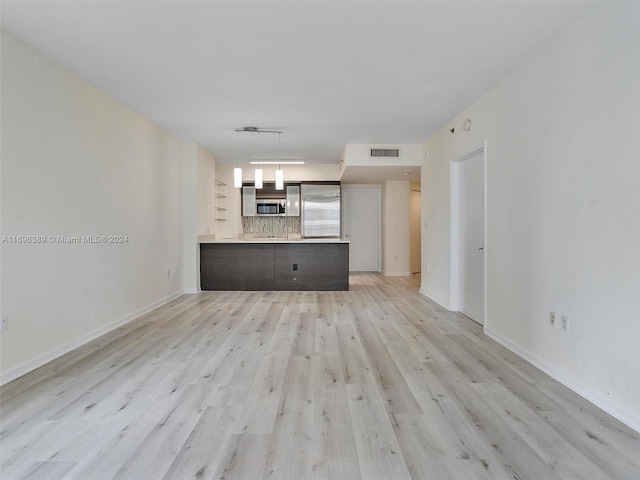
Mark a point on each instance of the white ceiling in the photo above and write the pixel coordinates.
(327, 73)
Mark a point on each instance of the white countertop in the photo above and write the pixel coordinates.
(213, 239)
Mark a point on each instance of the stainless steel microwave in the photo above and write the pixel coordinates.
(270, 207)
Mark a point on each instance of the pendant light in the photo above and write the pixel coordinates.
(258, 173)
(279, 179)
(258, 176)
(237, 172)
(279, 172)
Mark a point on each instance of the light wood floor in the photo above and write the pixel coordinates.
(374, 383)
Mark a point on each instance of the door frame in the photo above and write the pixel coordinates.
(419, 226)
(454, 234)
(369, 188)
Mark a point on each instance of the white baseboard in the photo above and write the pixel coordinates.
(627, 417)
(422, 292)
(396, 274)
(41, 360)
(192, 291)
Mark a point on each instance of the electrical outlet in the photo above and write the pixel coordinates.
(564, 323)
(5, 322)
(552, 319)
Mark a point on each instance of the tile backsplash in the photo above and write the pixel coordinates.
(270, 226)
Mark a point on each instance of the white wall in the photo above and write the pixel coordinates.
(199, 188)
(310, 172)
(190, 254)
(415, 228)
(563, 202)
(206, 190)
(395, 228)
(77, 162)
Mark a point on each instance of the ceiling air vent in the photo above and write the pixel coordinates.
(385, 152)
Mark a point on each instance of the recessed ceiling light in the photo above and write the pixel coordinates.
(404, 174)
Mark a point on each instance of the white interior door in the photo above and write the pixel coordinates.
(361, 226)
(471, 236)
(415, 242)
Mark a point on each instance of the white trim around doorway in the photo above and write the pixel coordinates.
(454, 280)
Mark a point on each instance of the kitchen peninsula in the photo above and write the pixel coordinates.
(274, 264)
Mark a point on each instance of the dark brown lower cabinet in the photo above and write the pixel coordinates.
(231, 266)
(274, 266)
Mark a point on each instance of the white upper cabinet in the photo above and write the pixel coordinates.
(248, 201)
(293, 201)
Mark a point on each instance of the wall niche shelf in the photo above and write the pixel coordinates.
(220, 208)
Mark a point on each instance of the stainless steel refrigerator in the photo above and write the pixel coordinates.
(320, 211)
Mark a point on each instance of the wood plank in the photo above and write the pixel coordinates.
(397, 396)
(202, 452)
(335, 454)
(513, 451)
(156, 453)
(450, 434)
(540, 436)
(117, 443)
(326, 337)
(263, 398)
(49, 470)
(431, 455)
(305, 336)
(355, 365)
(291, 455)
(379, 453)
(597, 443)
(283, 336)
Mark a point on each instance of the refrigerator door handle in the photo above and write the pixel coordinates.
(321, 198)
